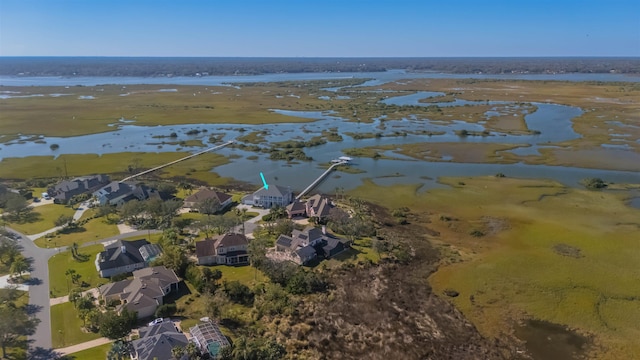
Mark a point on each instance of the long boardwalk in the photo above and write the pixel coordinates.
(177, 161)
(319, 179)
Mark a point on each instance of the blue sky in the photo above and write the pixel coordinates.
(346, 28)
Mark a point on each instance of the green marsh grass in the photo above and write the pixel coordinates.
(514, 272)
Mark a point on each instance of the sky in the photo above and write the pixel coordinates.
(314, 28)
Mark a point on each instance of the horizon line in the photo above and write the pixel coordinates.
(329, 57)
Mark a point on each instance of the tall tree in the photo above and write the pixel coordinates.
(63, 220)
(188, 188)
(106, 211)
(116, 326)
(20, 265)
(9, 250)
(168, 210)
(208, 206)
(119, 350)
(132, 212)
(15, 322)
(73, 275)
(177, 352)
(174, 258)
(257, 250)
(16, 206)
(222, 224)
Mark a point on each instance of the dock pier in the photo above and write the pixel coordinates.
(321, 177)
(177, 161)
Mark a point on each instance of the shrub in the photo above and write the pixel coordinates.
(593, 183)
(476, 233)
(165, 310)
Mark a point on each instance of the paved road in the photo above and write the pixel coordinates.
(39, 291)
(251, 224)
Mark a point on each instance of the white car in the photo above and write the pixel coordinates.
(156, 321)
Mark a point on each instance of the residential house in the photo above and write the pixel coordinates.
(304, 246)
(296, 208)
(157, 341)
(65, 190)
(228, 249)
(300, 245)
(318, 206)
(192, 201)
(332, 246)
(144, 293)
(267, 198)
(124, 256)
(208, 338)
(118, 193)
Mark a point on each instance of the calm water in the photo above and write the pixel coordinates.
(553, 121)
(378, 78)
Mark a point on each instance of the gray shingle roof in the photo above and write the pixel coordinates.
(157, 341)
(206, 193)
(274, 190)
(121, 253)
(306, 252)
(284, 241)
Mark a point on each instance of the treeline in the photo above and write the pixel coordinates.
(166, 67)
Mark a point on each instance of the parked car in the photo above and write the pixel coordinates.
(156, 321)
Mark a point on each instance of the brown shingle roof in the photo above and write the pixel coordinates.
(227, 240)
(205, 248)
(206, 193)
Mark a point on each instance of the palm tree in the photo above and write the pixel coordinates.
(177, 352)
(19, 265)
(119, 351)
(192, 350)
(74, 249)
(188, 188)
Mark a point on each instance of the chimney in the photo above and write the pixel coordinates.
(324, 230)
(123, 249)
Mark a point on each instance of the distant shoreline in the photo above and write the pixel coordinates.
(208, 66)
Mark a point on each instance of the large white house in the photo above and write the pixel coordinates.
(267, 198)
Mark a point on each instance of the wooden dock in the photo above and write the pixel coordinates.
(179, 160)
(319, 179)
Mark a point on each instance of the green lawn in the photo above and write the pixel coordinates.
(152, 238)
(247, 275)
(45, 216)
(94, 229)
(59, 263)
(66, 327)
(98, 352)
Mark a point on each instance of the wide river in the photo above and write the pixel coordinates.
(553, 121)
